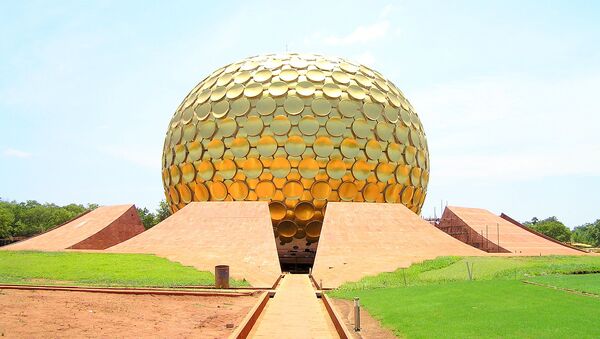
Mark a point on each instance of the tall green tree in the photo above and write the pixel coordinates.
(7, 219)
(163, 211)
(147, 217)
(587, 234)
(551, 227)
(150, 219)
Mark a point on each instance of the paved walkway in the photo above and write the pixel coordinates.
(294, 312)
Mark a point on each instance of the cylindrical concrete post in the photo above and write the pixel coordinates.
(222, 276)
(356, 314)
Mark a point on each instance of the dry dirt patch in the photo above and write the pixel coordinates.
(370, 327)
(52, 314)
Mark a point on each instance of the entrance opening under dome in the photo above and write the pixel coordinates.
(297, 256)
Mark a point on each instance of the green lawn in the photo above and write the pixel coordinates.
(99, 269)
(447, 269)
(580, 282)
(481, 309)
(436, 298)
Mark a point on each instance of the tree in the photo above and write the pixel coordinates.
(7, 219)
(551, 227)
(150, 219)
(163, 211)
(587, 234)
(31, 217)
(147, 217)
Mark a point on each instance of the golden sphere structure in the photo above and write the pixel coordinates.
(297, 131)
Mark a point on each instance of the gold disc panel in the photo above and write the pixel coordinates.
(297, 131)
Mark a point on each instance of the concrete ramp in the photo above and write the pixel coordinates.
(494, 232)
(206, 234)
(97, 230)
(361, 239)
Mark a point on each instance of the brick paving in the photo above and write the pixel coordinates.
(294, 312)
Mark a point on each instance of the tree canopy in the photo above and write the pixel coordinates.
(150, 219)
(551, 227)
(587, 234)
(26, 219)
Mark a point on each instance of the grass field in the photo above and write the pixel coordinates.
(448, 269)
(482, 309)
(98, 269)
(439, 301)
(589, 283)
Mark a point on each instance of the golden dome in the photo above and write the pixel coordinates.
(297, 131)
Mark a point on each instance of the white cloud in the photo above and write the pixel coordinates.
(512, 127)
(365, 58)
(360, 35)
(519, 166)
(385, 12)
(140, 156)
(15, 153)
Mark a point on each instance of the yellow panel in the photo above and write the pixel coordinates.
(313, 229)
(349, 148)
(205, 169)
(348, 191)
(320, 190)
(216, 148)
(240, 147)
(188, 172)
(305, 88)
(332, 90)
(293, 105)
(321, 107)
(240, 107)
(336, 169)
(361, 169)
(348, 108)
(200, 192)
(287, 228)
(315, 75)
(293, 190)
(277, 210)
(194, 150)
(288, 75)
(226, 168)
(308, 125)
(280, 125)
(371, 192)
(304, 211)
(238, 190)
(218, 191)
(252, 168)
(253, 90)
(278, 88)
(308, 168)
(265, 190)
(280, 167)
(267, 146)
(323, 146)
(295, 145)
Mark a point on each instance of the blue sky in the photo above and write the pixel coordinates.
(507, 91)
